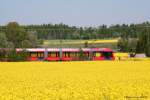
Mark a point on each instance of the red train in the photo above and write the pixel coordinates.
(68, 54)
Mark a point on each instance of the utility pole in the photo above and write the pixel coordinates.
(60, 51)
(46, 53)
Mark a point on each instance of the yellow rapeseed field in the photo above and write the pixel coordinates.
(101, 80)
(104, 41)
(47, 42)
(121, 56)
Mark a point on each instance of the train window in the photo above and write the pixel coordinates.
(97, 54)
(52, 54)
(66, 54)
(107, 54)
(33, 54)
(72, 54)
(40, 54)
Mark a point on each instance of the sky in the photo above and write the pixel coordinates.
(74, 12)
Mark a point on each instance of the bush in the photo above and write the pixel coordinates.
(17, 56)
(3, 55)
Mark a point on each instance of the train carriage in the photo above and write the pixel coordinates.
(35, 54)
(68, 54)
(52, 54)
(102, 54)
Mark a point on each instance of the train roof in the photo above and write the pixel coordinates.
(52, 49)
(102, 49)
(31, 49)
(65, 49)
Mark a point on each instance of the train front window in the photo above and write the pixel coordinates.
(107, 54)
(97, 54)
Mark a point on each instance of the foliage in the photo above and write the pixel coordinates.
(86, 44)
(12, 55)
(3, 40)
(127, 45)
(140, 44)
(40, 41)
(17, 37)
(144, 42)
(81, 55)
(62, 31)
(3, 54)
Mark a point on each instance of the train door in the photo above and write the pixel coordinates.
(86, 55)
(40, 55)
(97, 55)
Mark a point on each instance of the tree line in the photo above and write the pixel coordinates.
(62, 31)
